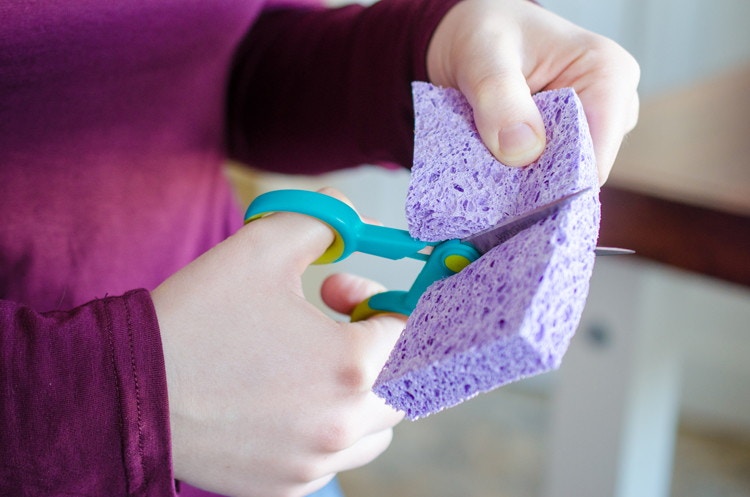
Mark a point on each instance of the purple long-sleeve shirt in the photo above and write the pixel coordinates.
(115, 120)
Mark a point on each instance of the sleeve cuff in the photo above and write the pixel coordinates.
(134, 345)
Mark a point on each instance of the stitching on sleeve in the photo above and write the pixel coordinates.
(136, 382)
(118, 393)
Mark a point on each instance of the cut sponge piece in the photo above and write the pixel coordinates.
(512, 313)
(457, 187)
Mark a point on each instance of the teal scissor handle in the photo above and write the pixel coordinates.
(351, 235)
(446, 259)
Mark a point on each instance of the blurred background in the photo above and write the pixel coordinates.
(653, 398)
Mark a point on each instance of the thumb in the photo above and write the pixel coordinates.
(506, 116)
(293, 240)
(482, 54)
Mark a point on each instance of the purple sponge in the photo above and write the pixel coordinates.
(512, 313)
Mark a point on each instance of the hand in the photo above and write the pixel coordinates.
(500, 52)
(267, 395)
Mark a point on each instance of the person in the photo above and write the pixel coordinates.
(150, 344)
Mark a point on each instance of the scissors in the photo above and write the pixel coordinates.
(442, 259)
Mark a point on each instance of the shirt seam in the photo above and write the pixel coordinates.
(109, 332)
(136, 383)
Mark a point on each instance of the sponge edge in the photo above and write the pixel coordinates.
(510, 314)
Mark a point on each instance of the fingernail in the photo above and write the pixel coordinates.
(519, 144)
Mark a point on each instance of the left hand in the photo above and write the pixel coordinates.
(500, 52)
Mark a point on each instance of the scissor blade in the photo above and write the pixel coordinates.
(612, 251)
(508, 228)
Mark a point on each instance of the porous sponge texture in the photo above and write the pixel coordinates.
(510, 314)
(457, 187)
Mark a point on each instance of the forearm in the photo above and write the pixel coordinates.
(84, 401)
(318, 89)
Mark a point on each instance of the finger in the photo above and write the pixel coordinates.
(342, 292)
(359, 454)
(363, 452)
(505, 114)
(507, 119)
(313, 486)
(610, 101)
(375, 339)
(381, 415)
(293, 240)
(481, 54)
(607, 132)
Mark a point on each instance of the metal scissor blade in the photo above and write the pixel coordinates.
(508, 228)
(612, 251)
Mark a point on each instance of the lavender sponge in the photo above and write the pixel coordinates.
(512, 313)
(458, 188)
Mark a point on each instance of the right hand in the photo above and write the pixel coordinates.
(267, 395)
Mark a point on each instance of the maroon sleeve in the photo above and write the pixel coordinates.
(315, 89)
(84, 401)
